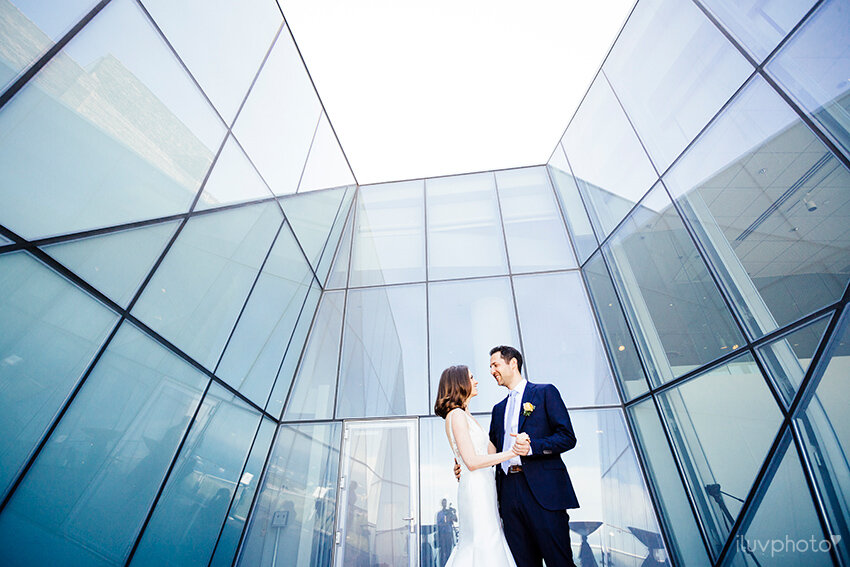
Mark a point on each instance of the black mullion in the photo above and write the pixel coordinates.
(337, 500)
(39, 64)
(309, 151)
(428, 370)
(339, 352)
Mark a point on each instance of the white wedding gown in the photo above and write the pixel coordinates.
(481, 541)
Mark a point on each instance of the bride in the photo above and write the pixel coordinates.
(481, 541)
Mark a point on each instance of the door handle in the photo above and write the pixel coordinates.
(412, 521)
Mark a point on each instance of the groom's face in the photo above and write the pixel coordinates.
(500, 369)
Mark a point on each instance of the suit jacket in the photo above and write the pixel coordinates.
(551, 434)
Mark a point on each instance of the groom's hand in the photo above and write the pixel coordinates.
(522, 445)
(457, 471)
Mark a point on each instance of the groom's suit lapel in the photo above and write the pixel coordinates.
(527, 395)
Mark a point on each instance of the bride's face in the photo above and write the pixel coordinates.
(474, 391)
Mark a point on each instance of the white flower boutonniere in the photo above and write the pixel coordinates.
(527, 408)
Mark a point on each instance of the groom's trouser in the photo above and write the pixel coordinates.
(534, 534)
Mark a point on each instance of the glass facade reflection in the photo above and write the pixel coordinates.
(216, 348)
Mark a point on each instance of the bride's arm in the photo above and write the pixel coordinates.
(460, 429)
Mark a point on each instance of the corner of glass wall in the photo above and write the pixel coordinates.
(581, 231)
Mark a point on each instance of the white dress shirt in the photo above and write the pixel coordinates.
(512, 422)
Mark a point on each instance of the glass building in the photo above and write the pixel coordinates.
(216, 348)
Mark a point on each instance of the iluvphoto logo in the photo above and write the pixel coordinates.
(788, 545)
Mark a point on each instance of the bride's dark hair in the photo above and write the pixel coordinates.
(453, 391)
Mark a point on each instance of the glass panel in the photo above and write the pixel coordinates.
(254, 351)
(687, 71)
(328, 253)
(292, 523)
(4, 240)
(534, 229)
(616, 523)
(338, 276)
(787, 358)
(115, 263)
(438, 489)
(610, 166)
(784, 529)
(293, 352)
(389, 235)
(233, 179)
(824, 423)
(676, 515)
(572, 205)
(112, 130)
(30, 28)
(614, 328)
(185, 525)
(313, 217)
(222, 48)
(722, 424)
(326, 165)
(769, 203)
(814, 67)
(379, 485)
(314, 391)
(558, 327)
(279, 119)
(213, 263)
(464, 230)
(758, 25)
(384, 369)
(225, 549)
(676, 311)
(51, 331)
(467, 319)
(85, 498)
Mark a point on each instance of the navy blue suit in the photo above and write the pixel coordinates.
(533, 503)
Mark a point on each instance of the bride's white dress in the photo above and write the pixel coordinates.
(481, 541)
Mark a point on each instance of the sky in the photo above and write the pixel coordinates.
(420, 89)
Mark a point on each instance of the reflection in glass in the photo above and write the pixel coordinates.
(326, 165)
(534, 229)
(50, 332)
(88, 492)
(438, 492)
(563, 345)
(674, 307)
(787, 358)
(467, 319)
(292, 522)
(722, 424)
(672, 69)
(338, 274)
(814, 67)
(389, 234)
(464, 230)
(280, 116)
(213, 262)
(384, 360)
(611, 168)
(825, 429)
(314, 391)
(232, 180)
(111, 130)
(768, 201)
(328, 253)
(4, 240)
(676, 515)
(572, 205)
(615, 330)
(115, 263)
(314, 218)
(193, 506)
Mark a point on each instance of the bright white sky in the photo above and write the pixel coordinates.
(418, 89)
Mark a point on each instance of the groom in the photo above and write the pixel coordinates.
(535, 490)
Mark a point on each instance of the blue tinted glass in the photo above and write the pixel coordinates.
(292, 522)
(389, 234)
(557, 325)
(438, 492)
(467, 319)
(196, 294)
(534, 229)
(814, 67)
(112, 130)
(672, 69)
(222, 48)
(232, 180)
(193, 506)
(4, 240)
(326, 165)
(328, 253)
(255, 350)
(51, 331)
(577, 220)
(88, 492)
(338, 274)
(384, 360)
(115, 263)
(313, 217)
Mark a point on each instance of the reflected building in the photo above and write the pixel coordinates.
(218, 348)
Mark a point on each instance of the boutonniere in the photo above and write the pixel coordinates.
(527, 408)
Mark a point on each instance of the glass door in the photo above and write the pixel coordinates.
(378, 488)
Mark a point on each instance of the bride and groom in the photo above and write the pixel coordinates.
(531, 488)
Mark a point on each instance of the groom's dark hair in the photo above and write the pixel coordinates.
(507, 353)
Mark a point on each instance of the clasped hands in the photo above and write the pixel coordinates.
(520, 448)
